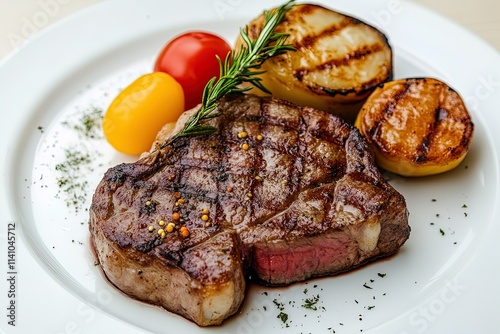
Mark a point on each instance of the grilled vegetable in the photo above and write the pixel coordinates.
(338, 62)
(137, 114)
(417, 127)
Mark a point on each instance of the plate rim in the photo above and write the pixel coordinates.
(68, 21)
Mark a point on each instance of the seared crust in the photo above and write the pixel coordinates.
(304, 200)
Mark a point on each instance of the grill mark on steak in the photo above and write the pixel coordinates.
(318, 206)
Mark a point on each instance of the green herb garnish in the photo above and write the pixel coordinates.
(239, 66)
(283, 317)
(88, 124)
(71, 179)
(311, 303)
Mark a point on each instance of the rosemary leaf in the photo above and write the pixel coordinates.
(238, 67)
(199, 130)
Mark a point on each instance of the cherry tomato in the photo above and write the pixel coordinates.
(190, 59)
(137, 114)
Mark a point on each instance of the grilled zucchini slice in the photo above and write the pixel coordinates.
(417, 127)
(339, 60)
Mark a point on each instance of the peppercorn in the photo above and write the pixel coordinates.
(170, 227)
(184, 231)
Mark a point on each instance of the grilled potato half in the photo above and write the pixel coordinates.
(339, 60)
(417, 127)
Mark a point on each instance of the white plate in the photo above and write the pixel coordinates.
(442, 280)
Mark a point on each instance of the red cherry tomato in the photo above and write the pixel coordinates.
(190, 59)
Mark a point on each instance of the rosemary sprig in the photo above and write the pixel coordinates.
(239, 66)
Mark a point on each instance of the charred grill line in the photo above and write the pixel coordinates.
(265, 202)
(423, 148)
(390, 106)
(221, 183)
(346, 60)
(357, 54)
(309, 41)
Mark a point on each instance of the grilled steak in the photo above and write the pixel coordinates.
(303, 198)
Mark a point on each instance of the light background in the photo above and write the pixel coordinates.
(17, 17)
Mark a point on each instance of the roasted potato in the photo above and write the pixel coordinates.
(417, 127)
(338, 62)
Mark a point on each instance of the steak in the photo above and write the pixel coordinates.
(279, 193)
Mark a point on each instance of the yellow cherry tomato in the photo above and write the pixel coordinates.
(137, 114)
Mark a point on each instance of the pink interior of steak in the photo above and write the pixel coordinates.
(306, 258)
